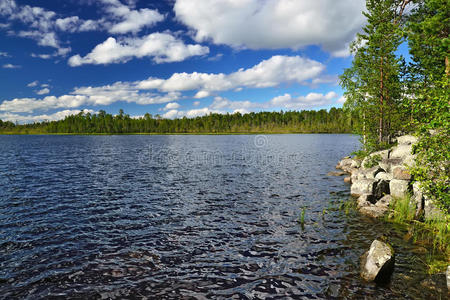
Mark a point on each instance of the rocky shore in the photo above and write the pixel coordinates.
(383, 176)
(376, 181)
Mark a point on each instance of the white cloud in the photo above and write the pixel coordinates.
(130, 20)
(285, 102)
(162, 47)
(4, 54)
(268, 73)
(196, 103)
(11, 66)
(171, 106)
(75, 24)
(33, 84)
(39, 118)
(342, 100)
(43, 91)
(274, 24)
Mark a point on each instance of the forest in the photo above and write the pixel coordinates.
(322, 121)
(392, 93)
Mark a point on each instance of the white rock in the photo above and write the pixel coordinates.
(401, 151)
(384, 176)
(407, 140)
(398, 188)
(362, 186)
(377, 264)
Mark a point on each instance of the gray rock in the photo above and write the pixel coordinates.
(388, 164)
(432, 212)
(372, 172)
(410, 160)
(383, 153)
(401, 151)
(377, 264)
(336, 173)
(398, 188)
(381, 188)
(384, 201)
(384, 176)
(365, 200)
(362, 186)
(373, 211)
(399, 172)
(407, 140)
(448, 278)
(418, 199)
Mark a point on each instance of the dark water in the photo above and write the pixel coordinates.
(186, 217)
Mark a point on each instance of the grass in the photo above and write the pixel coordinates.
(434, 232)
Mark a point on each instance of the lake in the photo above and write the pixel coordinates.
(192, 217)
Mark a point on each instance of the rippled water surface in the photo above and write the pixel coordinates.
(192, 217)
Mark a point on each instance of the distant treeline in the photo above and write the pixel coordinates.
(322, 121)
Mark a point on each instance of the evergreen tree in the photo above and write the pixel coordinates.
(372, 84)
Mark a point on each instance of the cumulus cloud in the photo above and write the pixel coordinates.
(130, 20)
(274, 24)
(43, 91)
(286, 102)
(162, 47)
(33, 84)
(44, 117)
(268, 73)
(171, 105)
(4, 54)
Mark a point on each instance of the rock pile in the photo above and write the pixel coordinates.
(384, 175)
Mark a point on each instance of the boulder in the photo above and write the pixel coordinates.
(388, 164)
(348, 179)
(384, 176)
(377, 264)
(384, 201)
(410, 160)
(373, 211)
(401, 151)
(399, 188)
(407, 140)
(399, 172)
(372, 172)
(365, 200)
(381, 188)
(432, 212)
(336, 173)
(384, 154)
(362, 186)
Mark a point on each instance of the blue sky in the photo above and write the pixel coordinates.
(174, 58)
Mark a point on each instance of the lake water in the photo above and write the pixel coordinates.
(192, 217)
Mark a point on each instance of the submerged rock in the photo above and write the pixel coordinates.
(377, 264)
(373, 211)
(336, 173)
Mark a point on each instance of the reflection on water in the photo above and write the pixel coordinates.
(185, 217)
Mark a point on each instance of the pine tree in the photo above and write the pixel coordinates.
(372, 84)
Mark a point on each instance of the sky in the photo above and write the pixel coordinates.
(172, 58)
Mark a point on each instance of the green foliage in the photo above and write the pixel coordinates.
(333, 121)
(402, 210)
(372, 84)
(372, 161)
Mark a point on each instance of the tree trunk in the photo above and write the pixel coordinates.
(380, 128)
